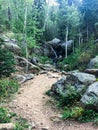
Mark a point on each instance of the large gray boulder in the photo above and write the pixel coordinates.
(24, 78)
(93, 64)
(10, 44)
(68, 44)
(84, 78)
(54, 42)
(77, 81)
(90, 98)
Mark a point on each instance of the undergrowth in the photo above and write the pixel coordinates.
(7, 88)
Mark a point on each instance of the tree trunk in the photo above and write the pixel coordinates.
(87, 31)
(24, 35)
(9, 14)
(66, 39)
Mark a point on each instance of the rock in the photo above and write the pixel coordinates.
(20, 78)
(56, 41)
(45, 128)
(65, 84)
(29, 76)
(43, 72)
(77, 81)
(93, 63)
(10, 44)
(84, 78)
(23, 78)
(92, 71)
(90, 97)
(12, 47)
(68, 43)
(7, 126)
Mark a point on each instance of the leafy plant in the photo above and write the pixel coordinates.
(4, 116)
(43, 59)
(70, 97)
(72, 112)
(7, 87)
(7, 62)
(21, 124)
(88, 115)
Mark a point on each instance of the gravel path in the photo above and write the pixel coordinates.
(32, 103)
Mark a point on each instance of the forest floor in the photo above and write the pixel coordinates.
(32, 103)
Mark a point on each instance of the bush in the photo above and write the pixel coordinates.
(72, 112)
(88, 115)
(4, 116)
(70, 97)
(21, 124)
(7, 87)
(7, 62)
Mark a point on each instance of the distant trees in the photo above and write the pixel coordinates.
(70, 19)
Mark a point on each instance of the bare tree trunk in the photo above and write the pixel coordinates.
(24, 35)
(87, 33)
(9, 14)
(66, 39)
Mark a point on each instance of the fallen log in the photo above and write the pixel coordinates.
(24, 59)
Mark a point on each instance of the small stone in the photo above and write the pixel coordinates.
(45, 128)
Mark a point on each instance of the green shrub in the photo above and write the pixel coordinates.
(72, 112)
(7, 62)
(7, 87)
(70, 97)
(71, 60)
(4, 116)
(43, 59)
(88, 115)
(21, 124)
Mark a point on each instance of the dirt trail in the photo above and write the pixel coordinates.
(32, 104)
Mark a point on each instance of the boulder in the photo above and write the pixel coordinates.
(29, 76)
(24, 78)
(92, 71)
(84, 78)
(54, 42)
(93, 64)
(78, 81)
(20, 78)
(90, 97)
(12, 47)
(66, 84)
(10, 44)
(68, 43)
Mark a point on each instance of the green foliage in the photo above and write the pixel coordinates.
(4, 116)
(43, 59)
(88, 115)
(7, 63)
(71, 60)
(70, 97)
(21, 124)
(7, 87)
(72, 112)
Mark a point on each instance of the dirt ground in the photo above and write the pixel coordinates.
(32, 103)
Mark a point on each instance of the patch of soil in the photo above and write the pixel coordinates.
(32, 103)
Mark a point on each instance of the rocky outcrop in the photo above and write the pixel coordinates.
(24, 78)
(54, 42)
(10, 44)
(85, 78)
(90, 98)
(93, 64)
(92, 71)
(77, 81)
